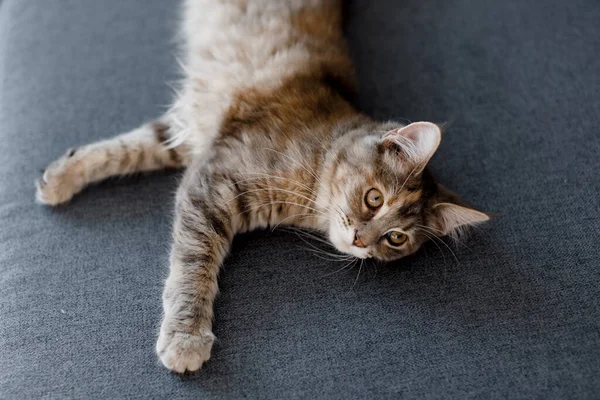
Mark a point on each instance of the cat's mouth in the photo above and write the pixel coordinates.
(342, 237)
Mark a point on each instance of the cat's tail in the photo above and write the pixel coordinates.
(142, 149)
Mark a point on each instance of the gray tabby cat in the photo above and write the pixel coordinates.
(265, 128)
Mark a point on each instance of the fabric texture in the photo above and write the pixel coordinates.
(514, 312)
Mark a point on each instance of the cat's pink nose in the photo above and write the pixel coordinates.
(358, 241)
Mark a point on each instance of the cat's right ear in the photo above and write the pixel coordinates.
(416, 142)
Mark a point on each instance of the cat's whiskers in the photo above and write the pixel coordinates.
(362, 261)
(315, 237)
(337, 209)
(302, 216)
(440, 240)
(328, 206)
(326, 256)
(346, 266)
(330, 256)
(260, 175)
(432, 237)
(264, 176)
(318, 251)
(267, 189)
(256, 207)
(455, 239)
(306, 168)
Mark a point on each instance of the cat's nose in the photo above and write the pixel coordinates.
(358, 241)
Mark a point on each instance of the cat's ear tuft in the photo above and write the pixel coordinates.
(450, 215)
(417, 141)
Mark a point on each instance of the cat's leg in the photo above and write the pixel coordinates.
(142, 149)
(202, 236)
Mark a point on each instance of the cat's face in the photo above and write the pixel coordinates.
(383, 202)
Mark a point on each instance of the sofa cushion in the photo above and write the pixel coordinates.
(511, 312)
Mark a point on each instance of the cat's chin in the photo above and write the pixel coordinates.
(356, 252)
(342, 241)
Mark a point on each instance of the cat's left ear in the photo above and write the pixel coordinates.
(417, 141)
(449, 214)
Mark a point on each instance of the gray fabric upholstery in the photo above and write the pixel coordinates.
(514, 315)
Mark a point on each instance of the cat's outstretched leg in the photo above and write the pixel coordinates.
(202, 235)
(142, 149)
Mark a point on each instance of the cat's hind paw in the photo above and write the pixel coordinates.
(60, 181)
(181, 352)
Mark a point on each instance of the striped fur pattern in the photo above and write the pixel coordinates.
(267, 132)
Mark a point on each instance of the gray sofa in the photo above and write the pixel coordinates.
(514, 312)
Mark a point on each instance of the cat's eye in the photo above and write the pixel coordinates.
(396, 238)
(374, 199)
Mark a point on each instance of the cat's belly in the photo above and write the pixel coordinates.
(232, 46)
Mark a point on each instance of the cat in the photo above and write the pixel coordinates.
(265, 127)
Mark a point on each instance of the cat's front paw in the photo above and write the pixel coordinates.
(60, 181)
(181, 352)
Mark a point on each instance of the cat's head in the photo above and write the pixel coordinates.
(382, 201)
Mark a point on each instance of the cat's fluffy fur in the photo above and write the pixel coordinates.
(264, 124)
